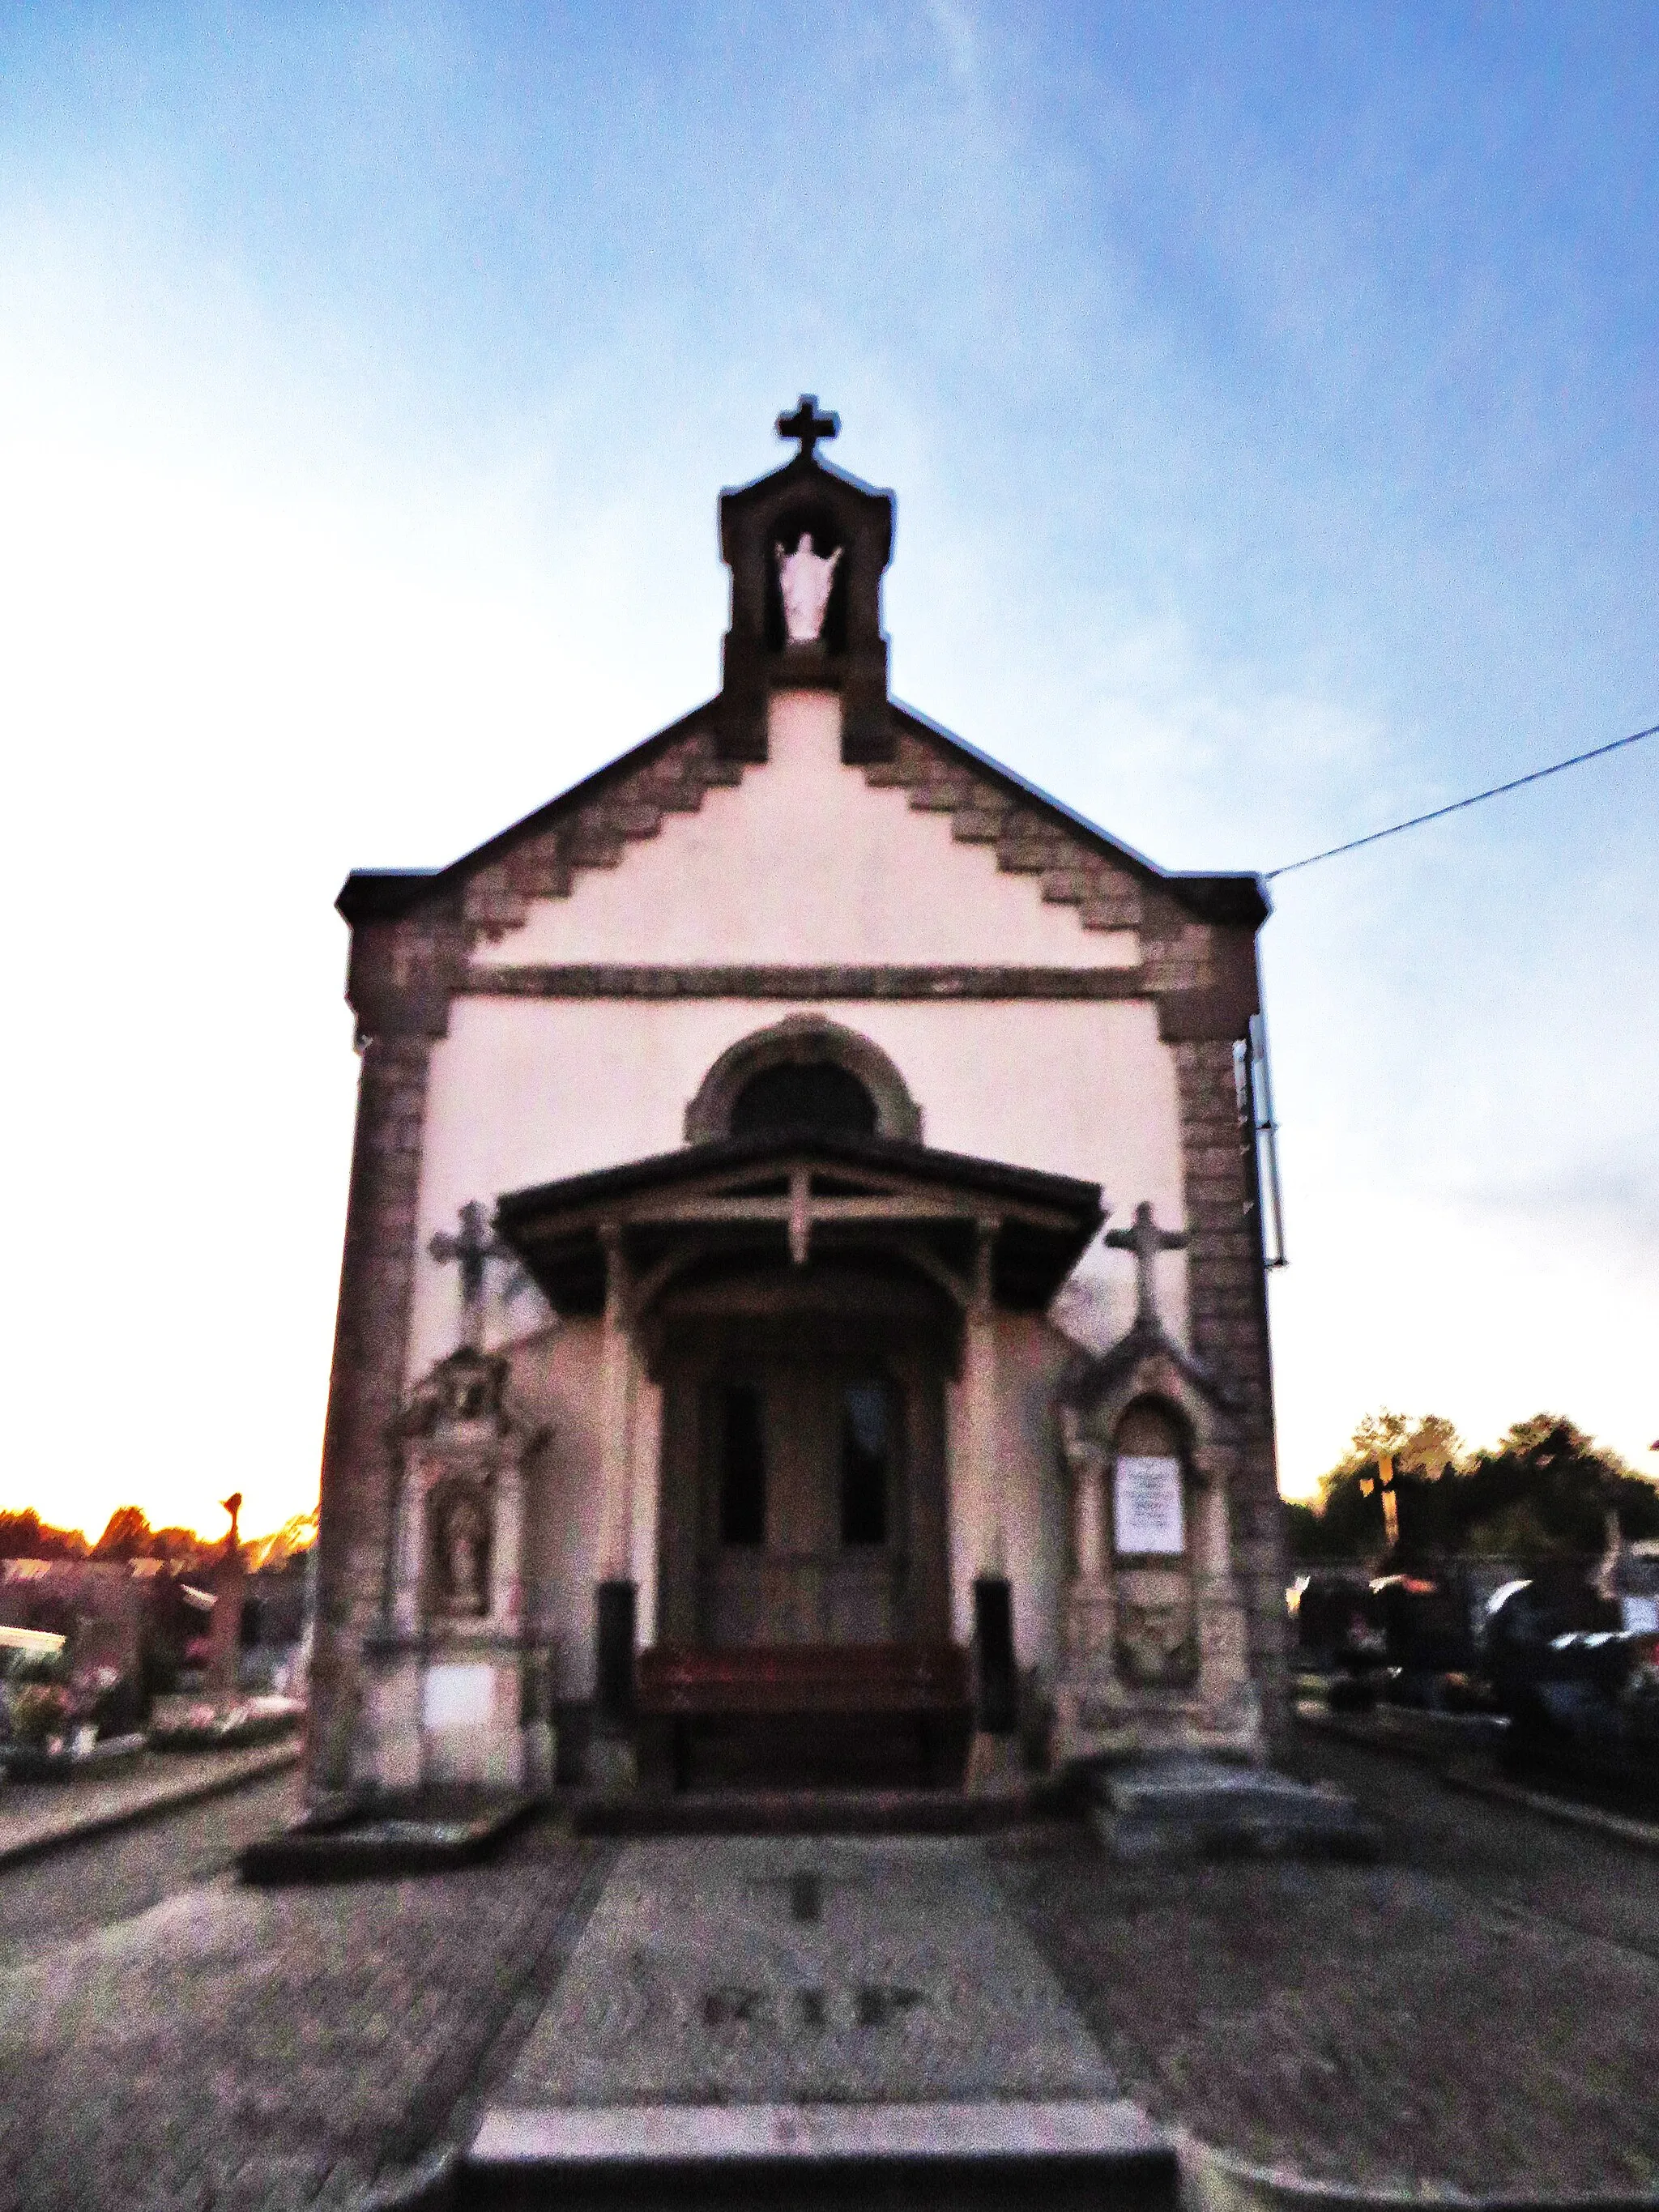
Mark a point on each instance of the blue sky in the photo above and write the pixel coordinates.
(1268, 393)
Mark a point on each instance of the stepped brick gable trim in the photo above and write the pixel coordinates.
(592, 825)
(941, 780)
(596, 835)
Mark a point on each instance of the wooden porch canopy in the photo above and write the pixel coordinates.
(795, 1197)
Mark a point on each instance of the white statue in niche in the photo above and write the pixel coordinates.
(463, 1555)
(804, 580)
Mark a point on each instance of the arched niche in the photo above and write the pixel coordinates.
(814, 519)
(735, 1097)
(1148, 1458)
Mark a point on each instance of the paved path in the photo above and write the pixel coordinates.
(231, 2048)
(36, 1816)
(63, 1894)
(1481, 2009)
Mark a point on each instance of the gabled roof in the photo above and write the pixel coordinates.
(377, 894)
(758, 1195)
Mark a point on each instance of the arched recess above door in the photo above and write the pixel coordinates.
(803, 1042)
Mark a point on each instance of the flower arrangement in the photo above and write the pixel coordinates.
(41, 1715)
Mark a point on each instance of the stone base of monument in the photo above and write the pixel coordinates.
(1060, 2153)
(386, 1833)
(1183, 1805)
(996, 1767)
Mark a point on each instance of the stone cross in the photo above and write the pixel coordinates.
(473, 1248)
(1145, 1240)
(808, 425)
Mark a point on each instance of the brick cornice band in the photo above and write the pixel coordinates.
(830, 981)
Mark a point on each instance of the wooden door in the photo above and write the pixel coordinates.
(803, 1512)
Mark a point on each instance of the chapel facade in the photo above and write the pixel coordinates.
(803, 1312)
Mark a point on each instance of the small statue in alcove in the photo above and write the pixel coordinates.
(804, 580)
(464, 1555)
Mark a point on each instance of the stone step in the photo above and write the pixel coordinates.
(1060, 2154)
(802, 1813)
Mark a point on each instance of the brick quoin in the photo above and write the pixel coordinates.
(1227, 1288)
(377, 1278)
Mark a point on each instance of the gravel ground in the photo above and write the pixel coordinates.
(1478, 2012)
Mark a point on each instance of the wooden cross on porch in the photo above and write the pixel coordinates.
(473, 1248)
(808, 425)
(1145, 1240)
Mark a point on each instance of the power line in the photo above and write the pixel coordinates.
(1458, 805)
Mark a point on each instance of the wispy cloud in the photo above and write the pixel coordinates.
(1269, 399)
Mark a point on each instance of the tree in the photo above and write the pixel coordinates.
(25, 1535)
(1544, 1489)
(127, 1535)
(1394, 1454)
(1305, 1533)
(183, 1545)
(1547, 1487)
(297, 1535)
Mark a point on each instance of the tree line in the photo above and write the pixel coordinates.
(1410, 1488)
(127, 1535)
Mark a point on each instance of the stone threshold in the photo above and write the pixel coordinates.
(638, 2137)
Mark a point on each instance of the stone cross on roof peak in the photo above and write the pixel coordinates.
(1145, 1240)
(808, 425)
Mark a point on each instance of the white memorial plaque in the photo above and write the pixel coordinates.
(458, 1697)
(1146, 1506)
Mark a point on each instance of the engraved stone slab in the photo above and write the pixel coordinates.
(1146, 1506)
(770, 1971)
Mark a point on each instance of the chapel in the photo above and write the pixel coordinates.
(803, 1313)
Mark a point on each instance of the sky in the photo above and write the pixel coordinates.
(1269, 395)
